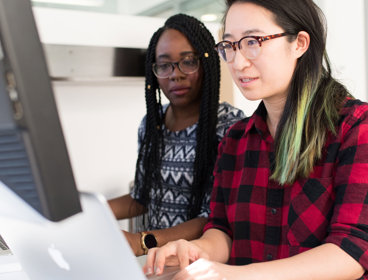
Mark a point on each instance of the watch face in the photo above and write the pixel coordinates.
(150, 241)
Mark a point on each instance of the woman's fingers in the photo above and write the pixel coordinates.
(183, 253)
(178, 253)
(148, 267)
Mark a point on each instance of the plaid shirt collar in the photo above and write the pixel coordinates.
(258, 122)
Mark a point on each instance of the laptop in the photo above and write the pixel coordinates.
(88, 245)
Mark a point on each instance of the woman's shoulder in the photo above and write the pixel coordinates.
(227, 111)
(353, 113)
(227, 116)
(354, 109)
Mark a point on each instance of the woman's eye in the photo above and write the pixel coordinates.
(163, 66)
(252, 42)
(188, 62)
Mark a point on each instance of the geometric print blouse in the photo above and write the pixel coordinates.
(177, 171)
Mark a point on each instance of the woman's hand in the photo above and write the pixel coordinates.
(178, 253)
(203, 269)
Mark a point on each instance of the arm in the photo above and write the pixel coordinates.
(188, 230)
(125, 207)
(323, 262)
(326, 261)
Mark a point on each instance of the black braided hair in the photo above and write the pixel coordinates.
(151, 149)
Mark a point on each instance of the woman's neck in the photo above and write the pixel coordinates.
(179, 118)
(274, 113)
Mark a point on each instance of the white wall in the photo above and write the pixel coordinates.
(100, 121)
(346, 43)
(57, 26)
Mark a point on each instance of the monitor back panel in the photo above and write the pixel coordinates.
(34, 160)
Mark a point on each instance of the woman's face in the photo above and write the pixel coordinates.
(181, 89)
(268, 75)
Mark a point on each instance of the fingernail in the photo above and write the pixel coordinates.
(157, 270)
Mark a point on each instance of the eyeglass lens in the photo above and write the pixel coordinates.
(249, 47)
(187, 65)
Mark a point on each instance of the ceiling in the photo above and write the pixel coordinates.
(206, 10)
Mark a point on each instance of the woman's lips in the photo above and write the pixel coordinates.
(245, 81)
(179, 90)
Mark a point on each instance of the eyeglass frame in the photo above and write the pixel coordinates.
(259, 39)
(177, 64)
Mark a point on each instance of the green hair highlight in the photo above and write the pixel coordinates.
(302, 137)
(291, 140)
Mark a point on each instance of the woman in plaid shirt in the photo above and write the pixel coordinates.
(290, 196)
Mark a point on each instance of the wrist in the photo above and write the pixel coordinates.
(147, 241)
(134, 240)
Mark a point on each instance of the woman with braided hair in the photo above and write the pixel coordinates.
(177, 141)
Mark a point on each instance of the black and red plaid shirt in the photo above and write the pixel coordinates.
(268, 221)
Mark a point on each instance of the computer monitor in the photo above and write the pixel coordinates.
(34, 161)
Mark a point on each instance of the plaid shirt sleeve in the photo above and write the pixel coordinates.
(349, 222)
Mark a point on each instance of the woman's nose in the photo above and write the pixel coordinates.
(176, 73)
(240, 61)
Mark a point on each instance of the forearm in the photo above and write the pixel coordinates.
(188, 230)
(216, 244)
(125, 207)
(323, 262)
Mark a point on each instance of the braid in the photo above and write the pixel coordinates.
(151, 150)
(149, 155)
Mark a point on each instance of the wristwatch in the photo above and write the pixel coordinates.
(148, 241)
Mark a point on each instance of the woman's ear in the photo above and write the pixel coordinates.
(301, 43)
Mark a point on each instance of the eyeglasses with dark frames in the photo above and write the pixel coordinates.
(187, 65)
(249, 46)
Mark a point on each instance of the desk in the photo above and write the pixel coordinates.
(10, 269)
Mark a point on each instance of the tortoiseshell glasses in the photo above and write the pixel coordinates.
(249, 46)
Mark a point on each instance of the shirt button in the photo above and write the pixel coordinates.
(274, 211)
(269, 257)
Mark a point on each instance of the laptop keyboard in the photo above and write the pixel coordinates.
(4, 248)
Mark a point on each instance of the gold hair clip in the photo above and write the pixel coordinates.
(206, 55)
(148, 86)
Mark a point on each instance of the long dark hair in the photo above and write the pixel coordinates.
(151, 149)
(315, 97)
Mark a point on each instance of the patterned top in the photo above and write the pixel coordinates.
(177, 169)
(267, 221)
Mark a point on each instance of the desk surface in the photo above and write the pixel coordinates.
(10, 269)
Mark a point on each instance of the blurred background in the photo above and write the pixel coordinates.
(206, 10)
